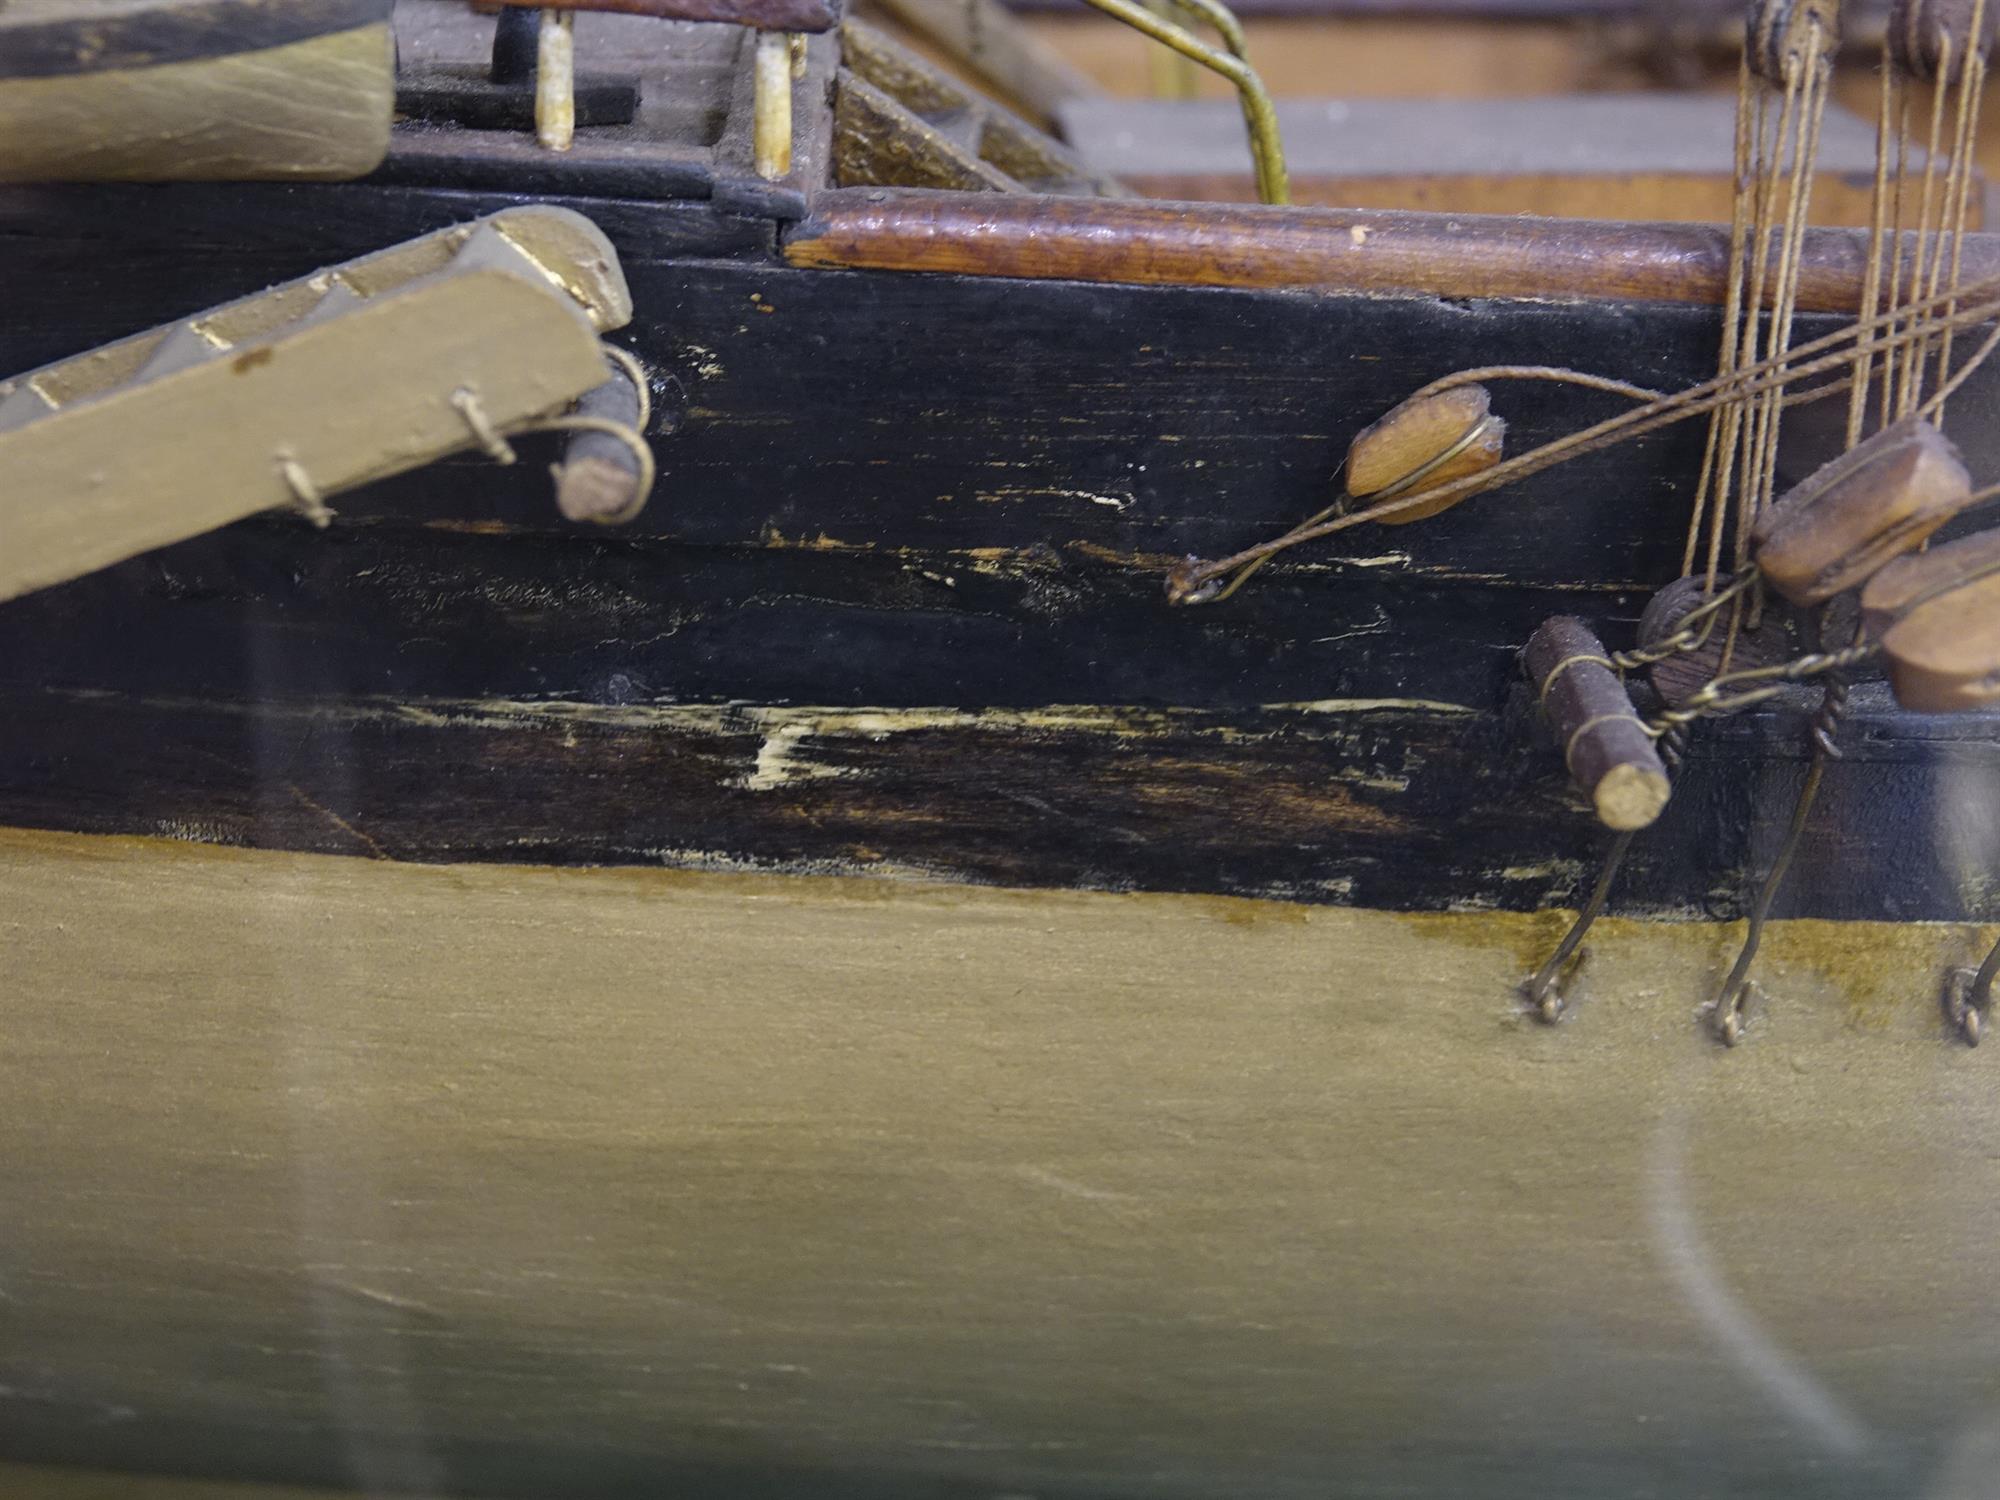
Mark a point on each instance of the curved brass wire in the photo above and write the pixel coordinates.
(1267, 150)
(1223, 19)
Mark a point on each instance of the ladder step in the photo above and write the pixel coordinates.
(339, 298)
(182, 349)
(21, 406)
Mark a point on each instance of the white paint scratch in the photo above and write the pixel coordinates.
(1372, 706)
(1049, 1179)
(1756, 1355)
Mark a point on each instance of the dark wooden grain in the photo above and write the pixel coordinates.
(764, 15)
(44, 40)
(1354, 250)
(472, 697)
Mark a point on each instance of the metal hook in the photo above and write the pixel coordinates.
(1968, 997)
(1541, 992)
(1728, 1008)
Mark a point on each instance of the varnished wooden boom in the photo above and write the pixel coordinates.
(1137, 242)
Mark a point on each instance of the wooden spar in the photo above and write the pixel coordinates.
(1249, 245)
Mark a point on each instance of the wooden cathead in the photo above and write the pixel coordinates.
(1606, 746)
(1431, 440)
(1878, 500)
(375, 366)
(1937, 616)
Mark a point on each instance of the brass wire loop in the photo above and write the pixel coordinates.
(1260, 116)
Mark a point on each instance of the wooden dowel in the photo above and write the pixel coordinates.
(600, 477)
(1605, 745)
(772, 105)
(555, 81)
(1250, 245)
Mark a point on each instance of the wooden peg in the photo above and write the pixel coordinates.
(1427, 441)
(1881, 498)
(1937, 616)
(771, 106)
(1609, 754)
(555, 81)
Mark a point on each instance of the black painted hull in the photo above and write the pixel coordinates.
(897, 603)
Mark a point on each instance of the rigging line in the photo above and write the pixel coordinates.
(1732, 317)
(1418, 475)
(1727, 693)
(1758, 494)
(1973, 81)
(1693, 402)
(1718, 453)
(1791, 138)
(1910, 389)
(1896, 244)
(1945, 90)
(1878, 248)
(1553, 373)
(1933, 410)
(1727, 1008)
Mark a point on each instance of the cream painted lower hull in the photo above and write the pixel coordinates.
(506, 1178)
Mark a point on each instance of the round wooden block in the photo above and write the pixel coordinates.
(1919, 31)
(1781, 29)
(1680, 677)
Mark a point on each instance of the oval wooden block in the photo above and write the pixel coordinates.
(1881, 498)
(1454, 430)
(1938, 619)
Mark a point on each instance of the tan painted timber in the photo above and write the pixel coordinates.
(1050, 1193)
(50, 1482)
(364, 370)
(319, 108)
